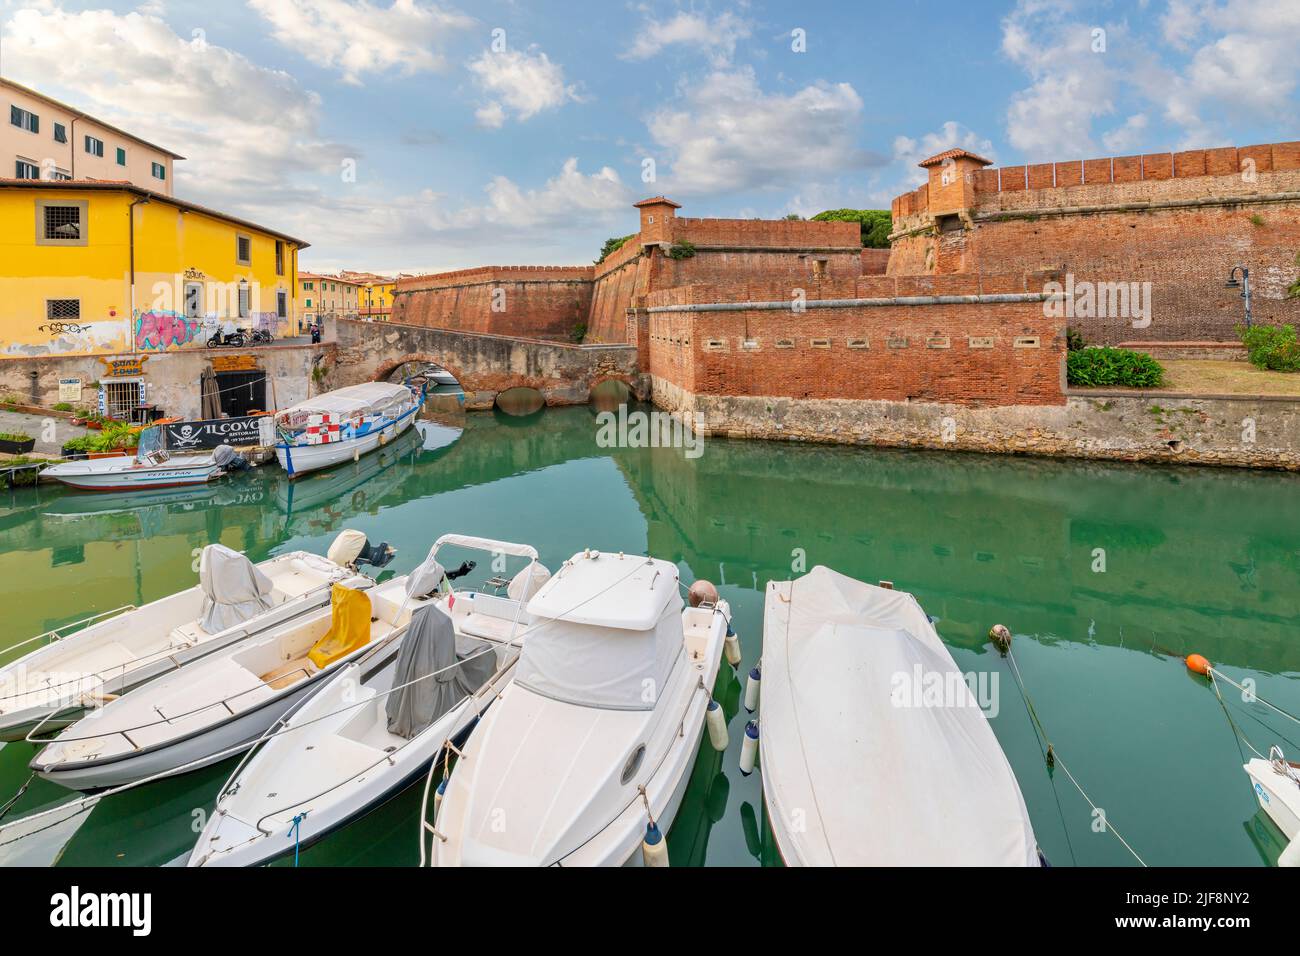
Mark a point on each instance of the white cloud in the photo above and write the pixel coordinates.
(729, 136)
(254, 147)
(525, 82)
(717, 37)
(1068, 64)
(361, 37)
(1129, 137)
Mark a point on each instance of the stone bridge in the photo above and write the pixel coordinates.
(485, 365)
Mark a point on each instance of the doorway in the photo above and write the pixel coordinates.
(241, 393)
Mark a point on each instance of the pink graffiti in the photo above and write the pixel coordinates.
(161, 329)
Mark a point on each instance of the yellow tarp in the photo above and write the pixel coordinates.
(349, 626)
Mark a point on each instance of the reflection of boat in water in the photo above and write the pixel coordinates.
(1269, 840)
(347, 487)
(435, 435)
(83, 505)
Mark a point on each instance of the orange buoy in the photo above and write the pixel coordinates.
(1198, 665)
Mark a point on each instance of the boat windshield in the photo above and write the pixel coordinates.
(151, 441)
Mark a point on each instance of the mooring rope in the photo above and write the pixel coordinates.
(1054, 759)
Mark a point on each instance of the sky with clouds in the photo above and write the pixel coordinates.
(416, 135)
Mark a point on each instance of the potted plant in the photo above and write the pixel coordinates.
(78, 448)
(115, 439)
(16, 444)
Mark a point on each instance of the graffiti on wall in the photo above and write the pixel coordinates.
(71, 338)
(163, 329)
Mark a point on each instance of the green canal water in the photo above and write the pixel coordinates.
(1195, 560)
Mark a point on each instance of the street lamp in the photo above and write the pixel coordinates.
(1243, 285)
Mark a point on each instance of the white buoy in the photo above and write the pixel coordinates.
(1291, 855)
(749, 748)
(732, 646)
(751, 689)
(437, 798)
(716, 721)
(654, 848)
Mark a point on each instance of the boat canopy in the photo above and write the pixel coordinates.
(868, 721)
(234, 590)
(607, 632)
(368, 398)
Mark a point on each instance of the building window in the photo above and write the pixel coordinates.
(24, 119)
(121, 156)
(60, 133)
(60, 223)
(63, 308)
(194, 300)
(24, 169)
(309, 303)
(243, 250)
(279, 257)
(121, 398)
(95, 147)
(243, 300)
(56, 174)
(282, 304)
(159, 171)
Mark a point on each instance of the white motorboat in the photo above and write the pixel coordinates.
(343, 425)
(1276, 782)
(151, 467)
(873, 749)
(438, 375)
(52, 686)
(597, 734)
(222, 704)
(359, 741)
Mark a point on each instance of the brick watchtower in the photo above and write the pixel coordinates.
(952, 180)
(657, 215)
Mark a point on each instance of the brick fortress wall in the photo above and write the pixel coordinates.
(1179, 221)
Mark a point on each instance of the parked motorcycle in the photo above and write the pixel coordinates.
(234, 340)
(262, 336)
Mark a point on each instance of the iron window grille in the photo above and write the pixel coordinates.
(62, 308)
(63, 222)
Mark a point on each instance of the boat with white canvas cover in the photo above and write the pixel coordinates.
(861, 764)
(598, 731)
(151, 467)
(54, 684)
(379, 723)
(1276, 782)
(222, 704)
(343, 425)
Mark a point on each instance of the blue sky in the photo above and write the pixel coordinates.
(416, 136)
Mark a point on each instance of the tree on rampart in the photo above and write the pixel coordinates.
(876, 224)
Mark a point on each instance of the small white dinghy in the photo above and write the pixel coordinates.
(52, 686)
(222, 704)
(358, 741)
(1276, 782)
(873, 750)
(600, 725)
(151, 467)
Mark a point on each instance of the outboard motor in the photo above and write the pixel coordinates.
(465, 568)
(228, 460)
(352, 547)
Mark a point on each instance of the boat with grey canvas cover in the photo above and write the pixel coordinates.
(379, 723)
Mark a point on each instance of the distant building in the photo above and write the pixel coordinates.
(327, 296)
(374, 295)
(42, 138)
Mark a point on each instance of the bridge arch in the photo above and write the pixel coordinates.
(387, 368)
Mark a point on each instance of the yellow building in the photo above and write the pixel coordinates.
(94, 268)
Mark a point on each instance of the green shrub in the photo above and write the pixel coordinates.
(114, 436)
(1272, 347)
(681, 250)
(63, 406)
(1106, 367)
(14, 437)
(579, 332)
(83, 444)
(876, 224)
(1074, 339)
(611, 246)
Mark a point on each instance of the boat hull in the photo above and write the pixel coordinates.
(80, 476)
(299, 460)
(201, 749)
(1278, 796)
